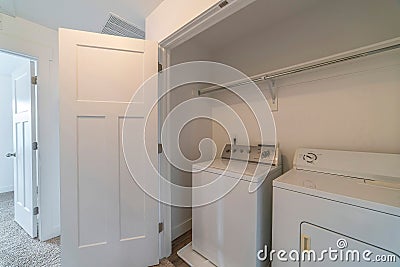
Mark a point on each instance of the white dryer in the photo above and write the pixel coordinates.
(338, 200)
(230, 231)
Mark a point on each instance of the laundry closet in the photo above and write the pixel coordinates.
(348, 105)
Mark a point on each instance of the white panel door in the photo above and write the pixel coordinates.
(25, 169)
(106, 219)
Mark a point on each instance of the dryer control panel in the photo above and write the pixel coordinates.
(364, 165)
(266, 154)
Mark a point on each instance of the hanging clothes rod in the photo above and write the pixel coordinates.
(270, 76)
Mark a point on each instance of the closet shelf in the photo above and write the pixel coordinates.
(269, 76)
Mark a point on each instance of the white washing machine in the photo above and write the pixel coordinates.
(339, 200)
(230, 231)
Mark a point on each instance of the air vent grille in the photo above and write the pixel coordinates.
(118, 26)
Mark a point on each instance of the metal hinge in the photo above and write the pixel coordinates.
(35, 210)
(34, 80)
(35, 146)
(223, 4)
(160, 227)
(37, 189)
(160, 148)
(160, 67)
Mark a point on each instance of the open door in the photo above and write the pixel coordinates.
(106, 219)
(24, 130)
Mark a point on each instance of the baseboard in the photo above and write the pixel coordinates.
(181, 229)
(6, 189)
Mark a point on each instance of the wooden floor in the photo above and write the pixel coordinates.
(177, 244)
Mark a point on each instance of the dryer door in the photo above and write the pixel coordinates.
(329, 248)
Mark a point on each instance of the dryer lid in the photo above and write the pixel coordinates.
(358, 192)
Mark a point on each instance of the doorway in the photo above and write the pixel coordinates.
(19, 243)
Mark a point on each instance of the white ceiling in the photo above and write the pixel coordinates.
(258, 16)
(9, 63)
(88, 15)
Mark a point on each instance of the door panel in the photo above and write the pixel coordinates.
(25, 176)
(92, 180)
(131, 211)
(114, 85)
(107, 220)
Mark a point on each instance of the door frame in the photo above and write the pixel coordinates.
(207, 19)
(43, 56)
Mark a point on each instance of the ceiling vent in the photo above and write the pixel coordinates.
(118, 26)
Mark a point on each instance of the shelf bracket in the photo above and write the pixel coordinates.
(272, 88)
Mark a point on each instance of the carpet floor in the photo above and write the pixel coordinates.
(18, 249)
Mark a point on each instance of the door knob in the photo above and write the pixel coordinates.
(9, 155)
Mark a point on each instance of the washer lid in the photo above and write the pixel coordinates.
(236, 169)
(375, 195)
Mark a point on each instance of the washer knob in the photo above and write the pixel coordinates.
(265, 154)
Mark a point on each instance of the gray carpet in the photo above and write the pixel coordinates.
(18, 249)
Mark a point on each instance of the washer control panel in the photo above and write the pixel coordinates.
(259, 154)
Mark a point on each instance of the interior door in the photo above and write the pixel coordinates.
(24, 130)
(106, 219)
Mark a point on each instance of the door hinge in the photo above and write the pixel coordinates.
(37, 189)
(160, 149)
(35, 146)
(223, 4)
(160, 67)
(160, 227)
(35, 210)
(34, 80)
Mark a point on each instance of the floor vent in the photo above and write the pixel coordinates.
(118, 26)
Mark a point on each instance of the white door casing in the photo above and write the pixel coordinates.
(106, 219)
(24, 132)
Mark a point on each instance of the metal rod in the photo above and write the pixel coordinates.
(301, 69)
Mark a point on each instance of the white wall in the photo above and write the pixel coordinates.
(6, 135)
(353, 106)
(171, 15)
(192, 133)
(328, 28)
(357, 107)
(21, 36)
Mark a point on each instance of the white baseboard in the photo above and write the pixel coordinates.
(181, 228)
(6, 189)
